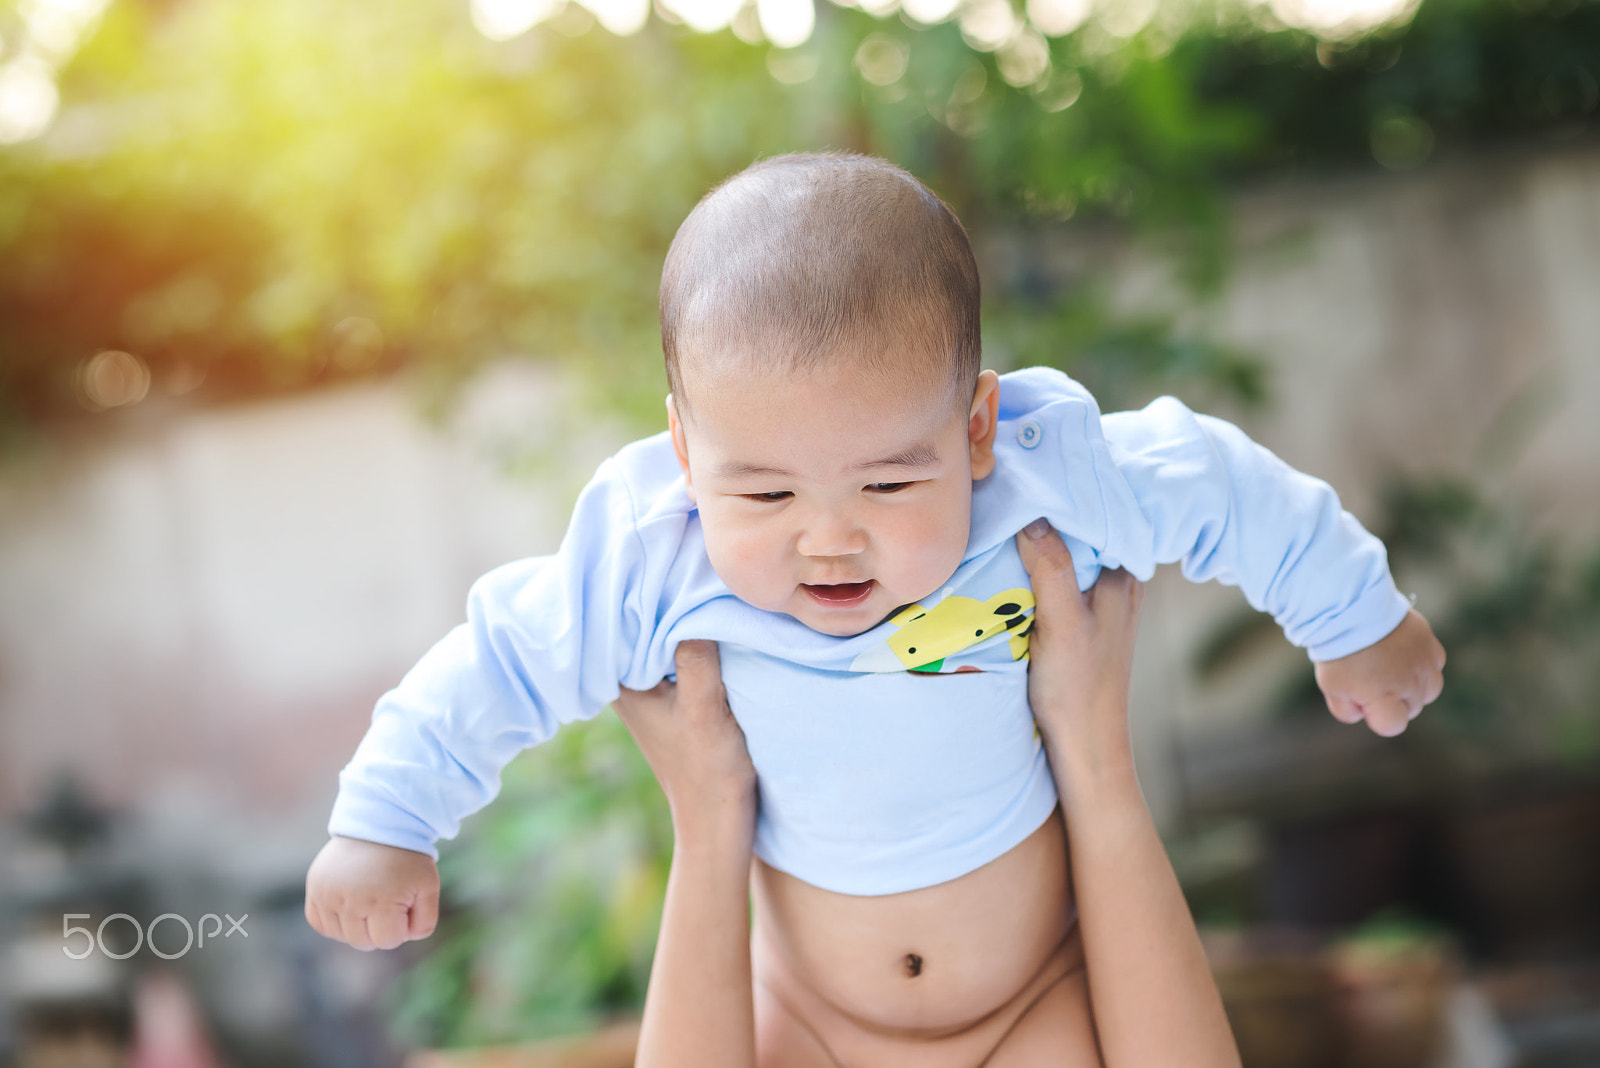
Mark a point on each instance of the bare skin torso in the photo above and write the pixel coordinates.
(986, 969)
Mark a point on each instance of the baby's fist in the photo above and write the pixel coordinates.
(1386, 684)
(371, 896)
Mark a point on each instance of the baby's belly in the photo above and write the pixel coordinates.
(923, 963)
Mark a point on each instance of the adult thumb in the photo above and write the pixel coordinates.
(699, 670)
(1045, 556)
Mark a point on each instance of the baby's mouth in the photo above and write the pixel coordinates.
(841, 594)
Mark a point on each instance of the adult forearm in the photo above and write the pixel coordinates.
(1155, 1002)
(699, 1009)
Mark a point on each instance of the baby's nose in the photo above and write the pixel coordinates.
(832, 535)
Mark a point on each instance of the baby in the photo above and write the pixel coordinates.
(835, 503)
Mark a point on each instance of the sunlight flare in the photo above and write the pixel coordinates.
(704, 16)
(28, 99)
(501, 20)
(1342, 18)
(787, 23)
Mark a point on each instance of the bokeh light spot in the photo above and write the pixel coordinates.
(501, 20)
(1024, 59)
(28, 99)
(747, 25)
(969, 86)
(882, 59)
(704, 16)
(111, 379)
(787, 23)
(988, 24)
(1057, 17)
(1124, 18)
(929, 12)
(1401, 140)
(56, 26)
(792, 68)
(1059, 91)
(622, 17)
(964, 112)
(878, 8)
(1342, 18)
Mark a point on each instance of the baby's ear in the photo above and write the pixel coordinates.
(680, 444)
(982, 422)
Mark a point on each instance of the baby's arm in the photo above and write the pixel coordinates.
(545, 643)
(699, 1009)
(1230, 510)
(1153, 998)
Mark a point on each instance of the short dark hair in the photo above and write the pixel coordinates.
(799, 257)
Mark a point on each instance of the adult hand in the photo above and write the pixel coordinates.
(688, 735)
(1080, 652)
(699, 1008)
(1150, 988)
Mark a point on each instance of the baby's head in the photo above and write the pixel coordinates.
(819, 315)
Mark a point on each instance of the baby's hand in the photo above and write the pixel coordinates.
(371, 896)
(1386, 684)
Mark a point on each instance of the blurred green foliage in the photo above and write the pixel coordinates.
(1518, 612)
(552, 899)
(257, 197)
(1521, 621)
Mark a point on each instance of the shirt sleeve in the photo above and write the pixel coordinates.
(545, 643)
(1229, 509)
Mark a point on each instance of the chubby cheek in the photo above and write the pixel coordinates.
(919, 550)
(749, 563)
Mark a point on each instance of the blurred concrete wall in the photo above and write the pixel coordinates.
(1441, 323)
(1437, 323)
(1444, 322)
(206, 602)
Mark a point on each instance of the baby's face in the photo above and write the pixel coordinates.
(834, 496)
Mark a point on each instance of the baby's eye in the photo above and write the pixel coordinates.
(775, 495)
(888, 487)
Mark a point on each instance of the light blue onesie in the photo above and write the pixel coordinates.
(901, 757)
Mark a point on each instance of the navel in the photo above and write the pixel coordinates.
(913, 965)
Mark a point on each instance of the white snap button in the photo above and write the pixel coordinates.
(1029, 435)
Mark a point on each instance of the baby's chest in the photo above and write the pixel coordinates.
(880, 740)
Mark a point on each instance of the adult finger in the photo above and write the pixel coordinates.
(699, 671)
(1116, 592)
(630, 703)
(660, 689)
(1048, 562)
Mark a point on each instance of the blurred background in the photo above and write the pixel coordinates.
(311, 311)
